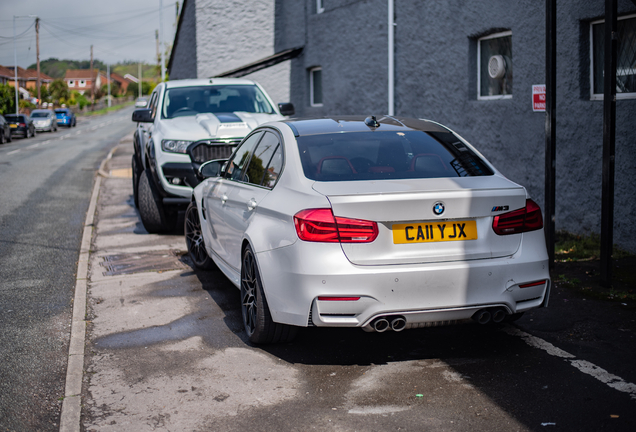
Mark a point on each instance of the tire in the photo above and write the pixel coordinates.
(2, 137)
(10, 137)
(151, 209)
(257, 319)
(136, 173)
(194, 239)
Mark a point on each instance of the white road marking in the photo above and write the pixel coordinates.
(13, 151)
(613, 381)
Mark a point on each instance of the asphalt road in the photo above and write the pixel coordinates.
(166, 351)
(45, 189)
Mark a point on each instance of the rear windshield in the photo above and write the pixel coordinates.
(60, 111)
(190, 101)
(387, 155)
(13, 118)
(39, 114)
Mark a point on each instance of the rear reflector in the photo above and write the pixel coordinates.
(523, 220)
(338, 298)
(320, 225)
(531, 284)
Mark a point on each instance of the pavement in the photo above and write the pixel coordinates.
(165, 350)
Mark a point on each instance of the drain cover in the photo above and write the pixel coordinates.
(129, 263)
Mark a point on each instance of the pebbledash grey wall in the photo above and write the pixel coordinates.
(436, 78)
(183, 64)
(217, 36)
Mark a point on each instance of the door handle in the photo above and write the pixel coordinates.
(251, 204)
(224, 198)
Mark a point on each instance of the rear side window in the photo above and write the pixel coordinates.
(266, 162)
(387, 155)
(239, 161)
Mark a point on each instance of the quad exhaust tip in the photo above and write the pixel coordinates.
(382, 324)
(484, 316)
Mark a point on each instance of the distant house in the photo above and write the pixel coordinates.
(31, 78)
(27, 80)
(6, 75)
(81, 80)
(122, 81)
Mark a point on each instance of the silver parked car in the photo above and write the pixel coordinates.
(44, 120)
(382, 224)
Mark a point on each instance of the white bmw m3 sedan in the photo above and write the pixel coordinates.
(380, 223)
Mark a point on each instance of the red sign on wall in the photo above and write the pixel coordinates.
(538, 98)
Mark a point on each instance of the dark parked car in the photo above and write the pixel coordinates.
(5, 131)
(65, 117)
(21, 124)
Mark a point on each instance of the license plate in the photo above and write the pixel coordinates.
(432, 232)
(14, 126)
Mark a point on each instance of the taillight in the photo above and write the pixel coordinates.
(320, 225)
(523, 220)
(22, 124)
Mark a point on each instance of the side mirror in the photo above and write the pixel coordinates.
(211, 168)
(286, 108)
(143, 115)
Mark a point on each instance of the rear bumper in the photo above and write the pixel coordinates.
(295, 276)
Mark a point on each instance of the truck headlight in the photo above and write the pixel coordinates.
(175, 146)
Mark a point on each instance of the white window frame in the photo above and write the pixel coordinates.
(600, 96)
(490, 36)
(71, 83)
(311, 87)
(320, 7)
(82, 83)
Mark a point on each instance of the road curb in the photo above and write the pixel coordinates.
(71, 407)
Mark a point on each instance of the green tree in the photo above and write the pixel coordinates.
(7, 99)
(58, 90)
(146, 87)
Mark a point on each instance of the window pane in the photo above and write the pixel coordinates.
(274, 168)
(190, 101)
(241, 156)
(501, 46)
(387, 155)
(317, 86)
(626, 62)
(260, 159)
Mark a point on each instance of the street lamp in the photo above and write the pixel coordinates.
(15, 60)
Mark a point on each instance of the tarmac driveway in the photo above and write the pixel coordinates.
(166, 351)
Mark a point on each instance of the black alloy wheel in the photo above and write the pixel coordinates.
(194, 239)
(257, 319)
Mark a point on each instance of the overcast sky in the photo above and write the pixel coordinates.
(118, 29)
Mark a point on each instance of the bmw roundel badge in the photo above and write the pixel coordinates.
(438, 208)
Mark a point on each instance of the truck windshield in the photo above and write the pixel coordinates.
(190, 101)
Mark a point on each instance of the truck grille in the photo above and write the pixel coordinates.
(204, 151)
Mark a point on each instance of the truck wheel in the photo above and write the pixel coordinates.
(150, 207)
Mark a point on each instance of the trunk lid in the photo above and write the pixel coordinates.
(406, 207)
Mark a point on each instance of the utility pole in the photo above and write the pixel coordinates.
(108, 78)
(609, 141)
(15, 69)
(37, 50)
(163, 57)
(139, 83)
(550, 126)
(15, 59)
(158, 54)
(92, 81)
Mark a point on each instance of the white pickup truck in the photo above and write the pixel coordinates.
(186, 123)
